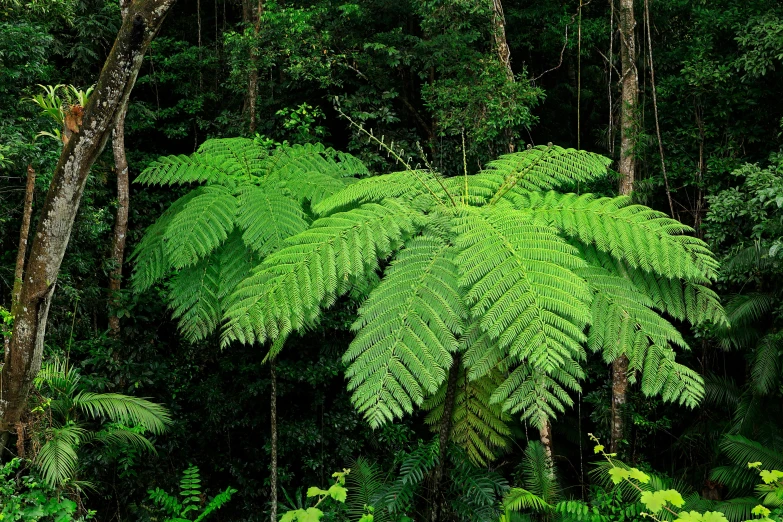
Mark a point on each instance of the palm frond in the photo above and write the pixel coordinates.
(365, 483)
(131, 411)
(520, 499)
(57, 458)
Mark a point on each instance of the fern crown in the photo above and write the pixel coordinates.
(495, 272)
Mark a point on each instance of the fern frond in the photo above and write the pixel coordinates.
(538, 474)
(681, 300)
(477, 426)
(287, 291)
(365, 482)
(413, 469)
(216, 503)
(200, 226)
(519, 499)
(267, 218)
(642, 237)
(57, 458)
(545, 168)
(476, 486)
(406, 332)
(131, 411)
(407, 185)
(721, 391)
(674, 382)
(151, 254)
(521, 287)
(537, 394)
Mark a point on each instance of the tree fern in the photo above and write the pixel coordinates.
(515, 279)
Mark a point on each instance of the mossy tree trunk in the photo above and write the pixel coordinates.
(23, 359)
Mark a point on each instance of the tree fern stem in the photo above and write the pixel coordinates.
(437, 501)
(619, 398)
(545, 435)
(273, 414)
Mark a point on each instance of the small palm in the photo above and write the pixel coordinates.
(70, 413)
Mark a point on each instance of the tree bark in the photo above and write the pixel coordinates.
(273, 409)
(121, 221)
(630, 95)
(627, 168)
(23, 234)
(23, 360)
(545, 435)
(252, 81)
(437, 499)
(504, 53)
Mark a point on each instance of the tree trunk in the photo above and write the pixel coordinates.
(630, 95)
(545, 435)
(437, 500)
(627, 168)
(121, 221)
(23, 234)
(254, 17)
(23, 360)
(504, 53)
(273, 409)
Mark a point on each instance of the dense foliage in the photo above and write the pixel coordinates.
(416, 246)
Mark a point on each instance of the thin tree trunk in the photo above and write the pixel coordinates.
(18, 278)
(23, 360)
(504, 53)
(121, 221)
(627, 168)
(619, 398)
(437, 501)
(273, 409)
(252, 80)
(545, 435)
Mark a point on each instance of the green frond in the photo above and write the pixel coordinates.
(267, 218)
(674, 382)
(521, 287)
(749, 259)
(477, 426)
(538, 395)
(741, 450)
(200, 226)
(365, 483)
(216, 503)
(406, 332)
(721, 391)
(737, 509)
(182, 170)
(151, 258)
(519, 499)
(765, 366)
(121, 436)
(407, 185)
(414, 467)
(619, 311)
(681, 300)
(477, 488)
(242, 158)
(197, 293)
(641, 237)
(131, 411)
(287, 291)
(538, 474)
(743, 309)
(545, 168)
(57, 458)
